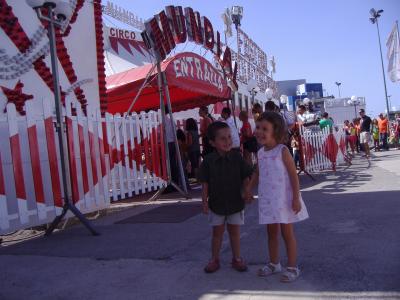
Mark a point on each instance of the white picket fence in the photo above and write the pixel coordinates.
(322, 149)
(129, 160)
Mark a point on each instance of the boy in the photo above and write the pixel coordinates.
(222, 174)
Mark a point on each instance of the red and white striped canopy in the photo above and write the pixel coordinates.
(192, 81)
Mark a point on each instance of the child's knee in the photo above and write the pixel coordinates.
(218, 231)
(233, 229)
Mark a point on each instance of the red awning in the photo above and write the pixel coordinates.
(192, 82)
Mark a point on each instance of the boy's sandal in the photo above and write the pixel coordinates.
(290, 275)
(269, 269)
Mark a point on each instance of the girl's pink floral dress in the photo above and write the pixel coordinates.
(274, 189)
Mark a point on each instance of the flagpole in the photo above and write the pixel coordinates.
(383, 69)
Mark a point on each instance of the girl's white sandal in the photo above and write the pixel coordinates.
(291, 274)
(269, 269)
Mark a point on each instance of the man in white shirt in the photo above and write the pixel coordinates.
(228, 119)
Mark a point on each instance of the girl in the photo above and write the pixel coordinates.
(375, 134)
(353, 138)
(279, 200)
(193, 143)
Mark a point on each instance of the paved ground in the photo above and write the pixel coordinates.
(349, 249)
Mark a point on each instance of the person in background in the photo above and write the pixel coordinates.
(304, 117)
(193, 145)
(206, 120)
(325, 122)
(295, 145)
(397, 130)
(225, 177)
(169, 135)
(383, 131)
(346, 128)
(365, 132)
(270, 106)
(256, 111)
(246, 136)
(375, 134)
(357, 124)
(181, 137)
(353, 137)
(226, 115)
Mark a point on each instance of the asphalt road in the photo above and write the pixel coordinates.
(348, 249)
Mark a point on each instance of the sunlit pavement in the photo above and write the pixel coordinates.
(348, 249)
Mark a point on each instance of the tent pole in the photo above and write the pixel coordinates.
(177, 150)
(163, 120)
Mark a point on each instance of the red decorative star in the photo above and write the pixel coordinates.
(17, 97)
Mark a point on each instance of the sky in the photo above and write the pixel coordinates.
(318, 40)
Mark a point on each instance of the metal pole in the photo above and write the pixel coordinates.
(60, 133)
(177, 150)
(383, 68)
(161, 87)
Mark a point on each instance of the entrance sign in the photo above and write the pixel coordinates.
(174, 26)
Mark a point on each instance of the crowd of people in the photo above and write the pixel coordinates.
(379, 132)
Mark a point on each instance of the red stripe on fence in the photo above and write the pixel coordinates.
(138, 153)
(157, 166)
(163, 153)
(35, 163)
(52, 153)
(83, 159)
(2, 187)
(102, 156)
(146, 153)
(93, 158)
(17, 166)
(130, 154)
(153, 150)
(72, 163)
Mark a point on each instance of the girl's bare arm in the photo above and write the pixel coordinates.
(293, 177)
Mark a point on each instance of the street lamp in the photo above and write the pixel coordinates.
(354, 102)
(338, 86)
(236, 15)
(375, 15)
(58, 12)
(252, 88)
(269, 93)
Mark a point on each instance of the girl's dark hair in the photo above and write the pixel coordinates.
(213, 129)
(278, 123)
(191, 125)
(180, 135)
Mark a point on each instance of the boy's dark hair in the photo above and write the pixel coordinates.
(257, 106)
(270, 105)
(213, 129)
(280, 129)
(191, 125)
(226, 110)
(325, 115)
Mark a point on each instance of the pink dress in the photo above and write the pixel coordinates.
(275, 193)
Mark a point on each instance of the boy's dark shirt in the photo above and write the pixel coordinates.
(365, 124)
(224, 175)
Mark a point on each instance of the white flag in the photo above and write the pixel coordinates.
(226, 18)
(393, 54)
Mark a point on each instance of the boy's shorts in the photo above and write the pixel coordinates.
(234, 219)
(365, 137)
